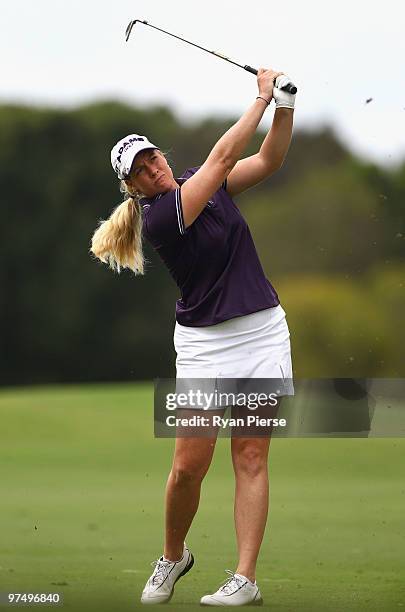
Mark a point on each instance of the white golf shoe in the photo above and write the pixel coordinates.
(237, 591)
(160, 587)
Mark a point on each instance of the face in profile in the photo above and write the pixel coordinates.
(151, 174)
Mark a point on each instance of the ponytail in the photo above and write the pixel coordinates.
(118, 240)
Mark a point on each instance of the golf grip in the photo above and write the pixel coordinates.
(290, 87)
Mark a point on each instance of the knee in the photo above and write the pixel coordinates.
(249, 461)
(184, 474)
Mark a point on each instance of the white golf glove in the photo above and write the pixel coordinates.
(282, 98)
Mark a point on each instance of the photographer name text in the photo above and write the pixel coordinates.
(223, 423)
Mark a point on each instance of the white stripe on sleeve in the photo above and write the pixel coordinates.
(179, 211)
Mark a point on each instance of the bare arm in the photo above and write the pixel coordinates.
(254, 169)
(196, 192)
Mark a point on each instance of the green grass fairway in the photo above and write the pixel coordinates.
(82, 483)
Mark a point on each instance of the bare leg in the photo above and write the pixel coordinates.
(192, 458)
(249, 456)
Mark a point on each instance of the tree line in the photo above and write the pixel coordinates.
(329, 228)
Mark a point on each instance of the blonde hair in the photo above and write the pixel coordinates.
(118, 240)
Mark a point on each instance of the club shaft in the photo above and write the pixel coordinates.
(191, 43)
(290, 87)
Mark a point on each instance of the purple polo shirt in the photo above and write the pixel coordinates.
(214, 261)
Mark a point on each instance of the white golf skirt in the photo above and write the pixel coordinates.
(254, 346)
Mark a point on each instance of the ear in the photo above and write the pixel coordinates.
(130, 185)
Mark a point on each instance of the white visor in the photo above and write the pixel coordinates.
(125, 151)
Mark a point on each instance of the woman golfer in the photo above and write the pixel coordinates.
(229, 321)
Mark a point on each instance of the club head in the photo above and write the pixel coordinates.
(130, 26)
(129, 29)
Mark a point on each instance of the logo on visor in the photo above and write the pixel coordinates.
(126, 145)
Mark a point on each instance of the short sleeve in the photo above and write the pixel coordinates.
(190, 171)
(163, 220)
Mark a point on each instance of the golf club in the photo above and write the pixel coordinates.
(290, 87)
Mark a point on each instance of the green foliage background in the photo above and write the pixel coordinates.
(329, 229)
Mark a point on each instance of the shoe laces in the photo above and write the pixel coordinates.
(232, 584)
(161, 571)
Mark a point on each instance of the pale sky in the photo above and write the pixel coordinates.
(339, 54)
